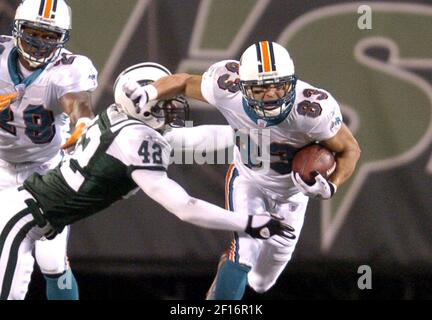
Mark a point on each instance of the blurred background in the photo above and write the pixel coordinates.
(375, 57)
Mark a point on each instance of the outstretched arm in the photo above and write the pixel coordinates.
(165, 88)
(175, 199)
(168, 193)
(179, 84)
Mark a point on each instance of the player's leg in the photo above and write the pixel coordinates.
(8, 175)
(51, 256)
(231, 278)
(53, 263)
(273, 259)
(24, 263)
(17, 236)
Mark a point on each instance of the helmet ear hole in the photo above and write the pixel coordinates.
(146, 114)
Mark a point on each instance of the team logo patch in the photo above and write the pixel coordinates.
(265, 233)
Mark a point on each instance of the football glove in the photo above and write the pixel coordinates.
(138, 94)
(322, 188)
(6, 99)
(80, 126)
(264, 226)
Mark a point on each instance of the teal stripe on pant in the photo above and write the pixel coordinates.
(231, 278)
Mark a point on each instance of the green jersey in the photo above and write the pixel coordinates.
(98, 172)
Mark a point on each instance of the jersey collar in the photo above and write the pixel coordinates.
(15, 75)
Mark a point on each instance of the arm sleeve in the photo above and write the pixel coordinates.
(176, 200)
(206, 137)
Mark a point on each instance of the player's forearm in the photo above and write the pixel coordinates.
(179, 84)
(345, 165)
(175, 199)
(170, 86)
(347, 152)
(77, 105)
(205, 214)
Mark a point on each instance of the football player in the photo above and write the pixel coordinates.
(42, 87)
(260, 95)
(120, 151)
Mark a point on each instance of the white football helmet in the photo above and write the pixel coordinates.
(53, 16)
(267, 66)
(156, 114)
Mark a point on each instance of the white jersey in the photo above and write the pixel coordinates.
(98, 171)
(315, 116)
(31, 126)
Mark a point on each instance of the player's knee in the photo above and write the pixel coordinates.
(51, 255)
(50, 263)
(283, 257)
(52, 267)
(260, 285)
(262, 281)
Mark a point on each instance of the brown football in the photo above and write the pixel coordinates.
(313, 158)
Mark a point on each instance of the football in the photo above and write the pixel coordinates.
(313, 158)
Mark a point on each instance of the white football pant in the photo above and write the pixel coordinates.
(18, 233)
(266, 260)
(50, 254)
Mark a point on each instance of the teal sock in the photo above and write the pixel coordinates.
(61, 286)
(231, 281)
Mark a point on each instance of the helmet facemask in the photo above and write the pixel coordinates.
(171, 112)
(36, 51)
(175, 111)
(283, 90)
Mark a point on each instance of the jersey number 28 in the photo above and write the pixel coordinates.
(38, 122)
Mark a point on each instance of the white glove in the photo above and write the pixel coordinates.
(136, 93)
(320, 189)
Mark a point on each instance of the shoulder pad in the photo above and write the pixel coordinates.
(221, 81)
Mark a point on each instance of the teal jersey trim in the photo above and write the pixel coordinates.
(13, 70)
(254, 118)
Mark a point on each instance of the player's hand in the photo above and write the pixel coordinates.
(6, 99)
(320, 189)
(79, 129)
(136, 93)
(264, 226)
